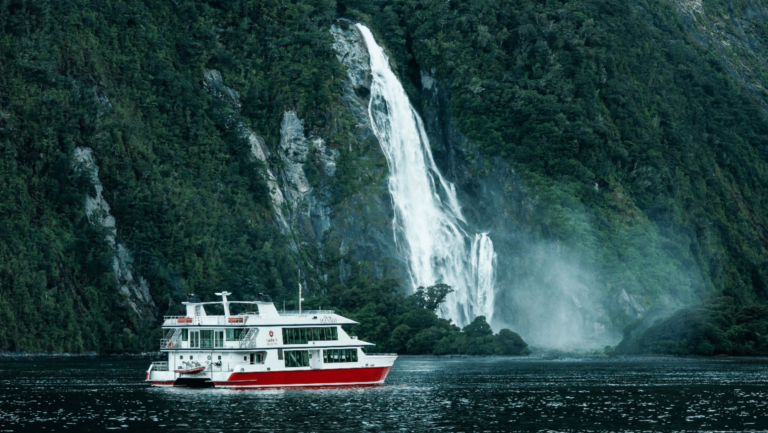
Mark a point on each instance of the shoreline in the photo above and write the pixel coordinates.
(90, 355)
(540, 356)
(565, 357)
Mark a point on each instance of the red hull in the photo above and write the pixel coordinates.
(308, 378)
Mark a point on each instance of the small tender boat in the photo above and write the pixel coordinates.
(264, 349)
(190, 370)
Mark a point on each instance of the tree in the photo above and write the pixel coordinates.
(478, 328)
(431, 297)
(507, 342)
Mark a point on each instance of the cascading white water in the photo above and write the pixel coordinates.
(428, 223)
(483, 263)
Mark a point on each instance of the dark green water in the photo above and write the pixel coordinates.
(478, 394)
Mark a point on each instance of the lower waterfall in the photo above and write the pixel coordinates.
(428, 224)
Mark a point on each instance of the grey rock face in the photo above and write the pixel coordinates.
(326, 156)
(300, 211)
(136, 290)
(215, 84)
(309, 209)
(294, 149)
(260, 151)
(630, 305)
(362, 227)
(351, 51)
(733, 34)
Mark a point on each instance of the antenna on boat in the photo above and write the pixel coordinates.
(224, 302)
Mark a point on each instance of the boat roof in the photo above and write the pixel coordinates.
(266, 315)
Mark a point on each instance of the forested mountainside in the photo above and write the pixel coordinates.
(615, 152)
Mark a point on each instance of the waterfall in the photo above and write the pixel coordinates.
(428, 225)
(483, 263)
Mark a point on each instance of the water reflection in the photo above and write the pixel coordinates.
(488, 394)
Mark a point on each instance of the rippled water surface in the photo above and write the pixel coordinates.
(476, 394)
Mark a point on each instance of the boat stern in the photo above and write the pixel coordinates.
(158, 375)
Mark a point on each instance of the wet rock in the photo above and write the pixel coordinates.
(630, 305)
(215, 84)
(97, 210)
(352, 53)
(362, 226)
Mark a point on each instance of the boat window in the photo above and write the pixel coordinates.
(234, 334)
(218, 338)
(339, 355)
(181, 357)
(296, 358)
(206, 339)
(304, 335)
(184, 334)
(194, 339)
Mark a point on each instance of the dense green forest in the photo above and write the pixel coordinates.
(611, 107)
(124, 78)
(605, 108)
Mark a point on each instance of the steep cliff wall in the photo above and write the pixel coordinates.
(614, 152)
(549, 291)
(736, 33)
(591, 139)
(181, 104)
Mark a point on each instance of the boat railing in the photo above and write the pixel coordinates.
(304, 312)
(172, 338)
(165, 343)
(159, 366)
(381, 354)
(205, 320)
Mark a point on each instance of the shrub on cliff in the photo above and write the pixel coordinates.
(409, 324)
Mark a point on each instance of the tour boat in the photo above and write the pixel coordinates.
(264, 349)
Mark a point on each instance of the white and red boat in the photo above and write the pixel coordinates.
(264, 349)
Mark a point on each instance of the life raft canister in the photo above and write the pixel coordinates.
(170, 344)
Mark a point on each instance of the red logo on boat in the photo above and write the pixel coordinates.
(271, 333)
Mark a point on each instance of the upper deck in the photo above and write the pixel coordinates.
(282, 318)
(198, 330)
(265, 315)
